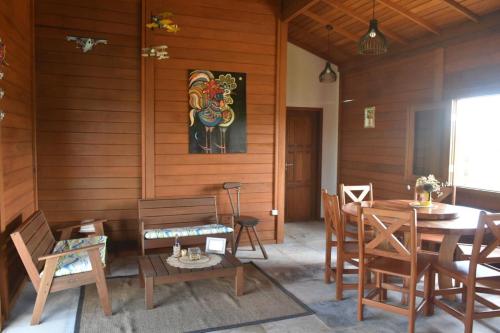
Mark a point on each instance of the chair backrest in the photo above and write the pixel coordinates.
(333, 221)
(233, 189)
(385, 225)
(348, 190)
(177, 212)
(34, 239)
(483, 247)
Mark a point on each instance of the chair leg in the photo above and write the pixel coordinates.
(100, 281)
(238, 240)
(412, 313)
(361, 290)
(378, 285)
(260, 244)
(250, 238)
(328, 257)
(339, 278)
(427, 292)
(44, 289)
(469, 309)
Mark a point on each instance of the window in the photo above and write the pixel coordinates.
(476, 159)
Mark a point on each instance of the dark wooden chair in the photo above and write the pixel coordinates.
(244, 222)
(191, 219)
(36, 246)
(347, 250)
(392, 258)
(353, 193)
(477, 275)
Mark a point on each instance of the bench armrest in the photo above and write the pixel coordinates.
(81, 249)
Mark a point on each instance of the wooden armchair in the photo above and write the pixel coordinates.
(477, 275)
(347, 250)
(53, 266)
(391, 257)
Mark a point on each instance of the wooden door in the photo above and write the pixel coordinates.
(303, 167)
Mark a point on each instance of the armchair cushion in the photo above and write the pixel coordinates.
(77, 262)
(200, 230)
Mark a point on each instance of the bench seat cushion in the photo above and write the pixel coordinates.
(199, 230)
(77, 262)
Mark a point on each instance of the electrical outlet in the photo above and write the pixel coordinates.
(274, 212)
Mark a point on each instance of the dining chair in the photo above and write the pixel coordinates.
(476, 275)
(448, 195)
(395, 259)
(346, 250)
(353, 193)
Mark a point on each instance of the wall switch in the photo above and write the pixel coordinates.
(274, 212)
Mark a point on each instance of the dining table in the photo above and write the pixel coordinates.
(450, 221)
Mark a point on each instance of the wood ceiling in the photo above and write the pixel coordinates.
(402, 22)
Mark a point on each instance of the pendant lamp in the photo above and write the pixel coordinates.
(373, 42)
(328, 74)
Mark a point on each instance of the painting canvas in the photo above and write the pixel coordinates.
(217, 112)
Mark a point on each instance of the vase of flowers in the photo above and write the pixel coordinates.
(425, 187)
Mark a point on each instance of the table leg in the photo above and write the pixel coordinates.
(148, 291)
(239, 281)
(446, 256)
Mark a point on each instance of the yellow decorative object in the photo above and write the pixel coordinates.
(161, 21)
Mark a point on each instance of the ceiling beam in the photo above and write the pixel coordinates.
(324, 22)
(462, 10)
(338, 5)
(293, 8)
(409, 15)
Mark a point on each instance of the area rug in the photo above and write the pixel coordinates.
(198, 306)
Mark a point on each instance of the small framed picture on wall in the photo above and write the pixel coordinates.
(369, 117)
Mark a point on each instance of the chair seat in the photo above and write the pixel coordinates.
(399, 267)
(467, 251)
(200, 230)
(77, 262)
(246, 221)
(485, 275)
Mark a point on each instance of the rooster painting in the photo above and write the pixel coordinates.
(213, 99)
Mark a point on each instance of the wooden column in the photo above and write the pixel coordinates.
(147, 111)
(280, 128)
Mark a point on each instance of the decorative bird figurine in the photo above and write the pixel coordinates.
(161, 21)
(86, 43)
(3, 54)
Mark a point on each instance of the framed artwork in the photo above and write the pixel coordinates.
(217, 112)
(370, 117)
(215, 245)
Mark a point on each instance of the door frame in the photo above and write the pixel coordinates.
(319, 134)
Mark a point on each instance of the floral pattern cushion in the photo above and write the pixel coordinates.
(77, 262)
(200, 230)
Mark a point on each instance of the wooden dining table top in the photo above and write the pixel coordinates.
(441, 218)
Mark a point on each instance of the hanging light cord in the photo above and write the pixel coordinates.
(373, 10)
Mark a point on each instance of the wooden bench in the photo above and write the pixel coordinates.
(180, 212)
(35, 244)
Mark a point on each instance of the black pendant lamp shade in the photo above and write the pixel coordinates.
(328, 74)
(373, 42)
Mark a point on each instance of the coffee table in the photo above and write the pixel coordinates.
(154, 270)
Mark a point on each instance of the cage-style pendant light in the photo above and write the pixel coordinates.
(373, 42)
(328, 74)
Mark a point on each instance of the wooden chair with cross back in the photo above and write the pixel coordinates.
(346, 250)
(392, 257)
(353, 193)
(58, 265)
(477, 275)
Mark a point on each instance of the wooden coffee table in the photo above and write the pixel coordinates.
(154, 270)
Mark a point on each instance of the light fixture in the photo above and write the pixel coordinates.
(328, 74)
(373, 42)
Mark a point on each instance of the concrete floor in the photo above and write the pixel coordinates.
(297, 265)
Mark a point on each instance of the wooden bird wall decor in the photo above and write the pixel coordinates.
(3, 54)
(162, 21)
(86, 43)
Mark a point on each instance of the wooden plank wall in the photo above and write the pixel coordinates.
(17, 197)
(222, 36)
(463, 67)
(88, 117)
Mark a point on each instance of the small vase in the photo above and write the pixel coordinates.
(425, 199)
